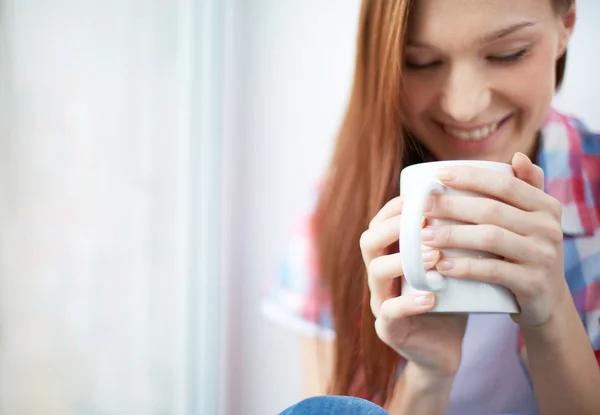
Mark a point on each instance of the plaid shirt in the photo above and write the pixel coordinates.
(570, 157)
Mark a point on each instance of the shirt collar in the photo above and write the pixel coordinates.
(566, 167)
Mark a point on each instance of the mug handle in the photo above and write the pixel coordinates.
(410, 239)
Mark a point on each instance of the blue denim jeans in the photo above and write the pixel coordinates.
(334, 405)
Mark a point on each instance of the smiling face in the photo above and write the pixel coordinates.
(479, 75)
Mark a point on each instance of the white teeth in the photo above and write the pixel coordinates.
(478, 134)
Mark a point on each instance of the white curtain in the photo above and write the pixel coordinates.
(99, 284)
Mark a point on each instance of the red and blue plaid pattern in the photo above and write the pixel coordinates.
(570, 158)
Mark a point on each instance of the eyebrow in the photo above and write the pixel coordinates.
(499, 34)
(489, 38)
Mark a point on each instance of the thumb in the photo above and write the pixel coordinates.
(527, 171)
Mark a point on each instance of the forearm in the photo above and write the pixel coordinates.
(420, 393)
(564, 370)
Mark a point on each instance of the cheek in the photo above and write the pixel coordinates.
(530, 86)
(416, 97)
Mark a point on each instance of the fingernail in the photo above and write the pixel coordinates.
(425, 299)
(430, 255)
(445, 264)
(426, 234)
(445, 175)
(524, 155)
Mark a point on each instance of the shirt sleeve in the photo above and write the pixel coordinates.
(589, 248)
(296, 297)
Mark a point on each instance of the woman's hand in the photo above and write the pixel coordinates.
(520, 223)
(432, 343)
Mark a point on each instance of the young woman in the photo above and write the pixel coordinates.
(444, 80)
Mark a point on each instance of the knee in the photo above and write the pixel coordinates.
(347, 405)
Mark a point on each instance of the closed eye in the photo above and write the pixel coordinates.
(506, 59)
(515, 57)
(420, 66)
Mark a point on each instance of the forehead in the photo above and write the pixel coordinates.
(446, 23)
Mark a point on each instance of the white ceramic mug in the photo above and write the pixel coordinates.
(417, 183)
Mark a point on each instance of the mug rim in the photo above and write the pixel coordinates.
(473, 163)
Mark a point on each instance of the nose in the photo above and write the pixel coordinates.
(466, 93)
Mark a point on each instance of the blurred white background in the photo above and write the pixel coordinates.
(153, 156)
(98, 279)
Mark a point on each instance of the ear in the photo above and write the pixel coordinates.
(567, 25)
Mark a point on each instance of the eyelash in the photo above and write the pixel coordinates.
(417, 67)
(513, 58)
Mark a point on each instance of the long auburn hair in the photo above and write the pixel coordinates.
(370, 152)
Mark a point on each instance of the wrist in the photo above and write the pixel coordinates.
(421, 391)
(425, 379)
(562, 318)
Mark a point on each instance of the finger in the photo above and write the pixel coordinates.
(390, 266)
(501, 186)
(374, 241)
(403, 306)
(481, 210)
(391, 208)
(385, 269)
(487, 238)
(513, 276)
(528, 172)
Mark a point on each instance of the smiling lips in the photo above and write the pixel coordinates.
(473, 134)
